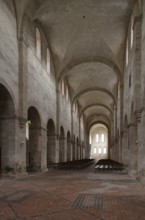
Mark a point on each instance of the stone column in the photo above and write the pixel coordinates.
(121, 121)
(132, 128)
(68, 149)
(42, 147)
(140, 117)
(8, 142)
(141, 153)
(74, 150)
(20, 141)
(71, 150)
(57, 149)
(125, 148)
(65, 149)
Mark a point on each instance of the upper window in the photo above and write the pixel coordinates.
(48, 60)
(67, 93)
(105, 150)
(62, 87)
(99, 150)
(127, 52)
(95, 150)
(97, 138)
(38, 44)
(100, 138)
(131, 33)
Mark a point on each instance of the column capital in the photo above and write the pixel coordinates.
(22, 122)
(138, 115)
(131, 125)
(137, 19)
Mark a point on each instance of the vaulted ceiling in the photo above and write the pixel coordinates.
(87, 43)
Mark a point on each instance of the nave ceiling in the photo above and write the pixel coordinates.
(87, 44)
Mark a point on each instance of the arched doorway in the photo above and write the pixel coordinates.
(68, 146)
(61, 145)
(51, 139)
(33, 153)
(99, 142)
(7, 130)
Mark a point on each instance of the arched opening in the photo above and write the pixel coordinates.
(7, 130)
(68, 146)
(99, 142)
(50, 142)
(61, 145)
(33, 153)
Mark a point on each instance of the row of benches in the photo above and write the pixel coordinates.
(107, 165)
(76, 164)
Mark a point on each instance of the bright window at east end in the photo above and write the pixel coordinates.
(95, 150)
(97, 138)
(100, 150)
(104, 150)
(102, 138)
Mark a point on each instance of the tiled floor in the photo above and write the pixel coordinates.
(72, 195)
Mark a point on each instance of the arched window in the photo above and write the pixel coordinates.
(38, 44)
(67, 93)
(97, 138)
(100, 138)
(76, 107)
(131, 33)
(48, 60)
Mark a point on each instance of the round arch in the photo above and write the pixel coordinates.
(33, 155)
(96, 59)
(9, 90)
(93, 105)
(93, 90)
(50, 127)
(100, 115)
(7, 129)
(99, 122)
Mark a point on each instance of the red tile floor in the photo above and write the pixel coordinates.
(72, 195)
